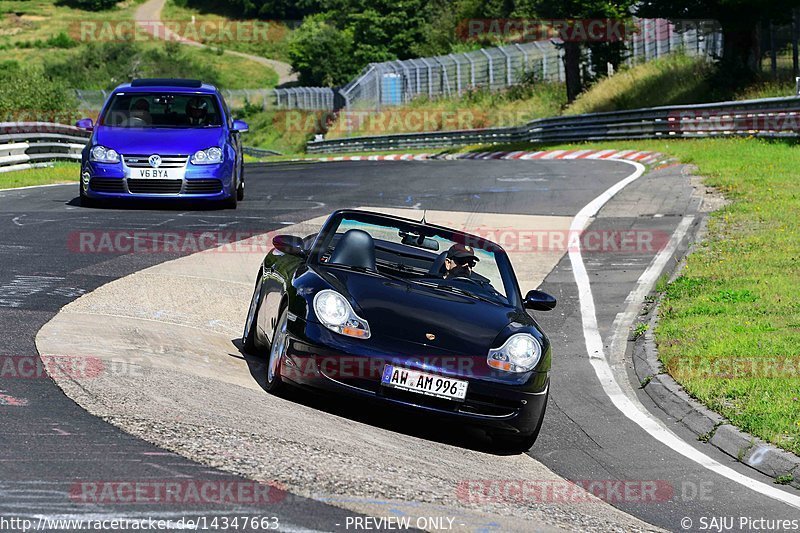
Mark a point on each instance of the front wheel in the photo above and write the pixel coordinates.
(240, 188)
(277, 350)
(251, 324)
(85, 200)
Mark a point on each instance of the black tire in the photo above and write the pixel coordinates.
(86, 201)
(274, 384)
(521, 443)
(240, 188)
(249, 334)
(231, 202)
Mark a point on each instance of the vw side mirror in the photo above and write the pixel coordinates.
(85, 124)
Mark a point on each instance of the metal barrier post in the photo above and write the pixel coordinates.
(491, 67)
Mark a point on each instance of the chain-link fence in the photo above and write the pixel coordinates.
(397, 82)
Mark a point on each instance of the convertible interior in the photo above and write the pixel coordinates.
(357, 248)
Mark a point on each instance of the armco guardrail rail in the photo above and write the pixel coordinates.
(26, 145)
(768, 117)
(30, 144)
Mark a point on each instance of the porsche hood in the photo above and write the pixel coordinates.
(422, 315)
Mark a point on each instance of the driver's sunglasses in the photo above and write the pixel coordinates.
(461, 261)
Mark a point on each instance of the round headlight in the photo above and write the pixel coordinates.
(99, 153)
(199, 156)
(520, 353)
(521, 349)
(331, 308)
(112, 155)
(214, 154)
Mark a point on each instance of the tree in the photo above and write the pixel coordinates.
(321, 53)
(577, 10)
(739, 19)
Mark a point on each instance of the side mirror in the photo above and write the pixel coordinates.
(539, 301)
(85, 123)
(240, 126)
(289, 244)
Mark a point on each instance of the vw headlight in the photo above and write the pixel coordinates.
(520, 353)
(101, 154)
(335, 313)
(209, 156)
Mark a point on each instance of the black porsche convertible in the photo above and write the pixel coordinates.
(404, 312)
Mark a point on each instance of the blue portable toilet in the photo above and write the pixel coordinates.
(391, 89)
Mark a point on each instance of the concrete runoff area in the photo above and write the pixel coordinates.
(174, 376)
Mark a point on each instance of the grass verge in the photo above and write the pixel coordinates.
(43, 32)
(270, 41)
(475, 109)
(60, 172)
(729, 328)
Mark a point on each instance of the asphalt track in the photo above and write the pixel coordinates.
(49, 442)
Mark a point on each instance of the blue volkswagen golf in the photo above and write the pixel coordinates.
(163, 139)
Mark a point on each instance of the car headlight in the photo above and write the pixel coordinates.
(335, 313)
(209, 156)
(520, 353)
(101, 154)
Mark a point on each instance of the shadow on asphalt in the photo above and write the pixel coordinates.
(151, 205)
(407, 421)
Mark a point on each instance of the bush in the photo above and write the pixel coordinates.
(89, 5)
(24, 88)
(62, 40)
(106, 65)
(321, 53)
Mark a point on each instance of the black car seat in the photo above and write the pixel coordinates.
(437, 268)
(355, 248)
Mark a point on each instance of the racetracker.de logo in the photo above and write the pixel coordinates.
(215, 31)
(30, 367)
(564, 491)
(191, 492)
(623, 240)
(168, 242)
(530, 30)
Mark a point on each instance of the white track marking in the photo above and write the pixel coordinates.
(594, 347)
(12, 189)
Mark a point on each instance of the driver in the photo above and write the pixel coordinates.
(459, 261)
(196, 111)
(141, 111)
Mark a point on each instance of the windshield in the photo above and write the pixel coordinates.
(418, 254)
(162, 110)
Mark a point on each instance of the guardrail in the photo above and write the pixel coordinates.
(32, 144)
(768, 117)
(25, 145)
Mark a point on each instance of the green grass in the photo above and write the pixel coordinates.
(735, 307)
(36, 32)
(674, 79)
(274, 46)
(60, 172)
(476, 109)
